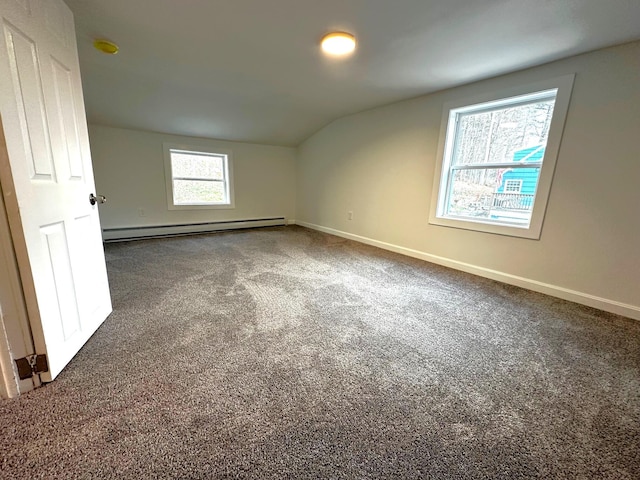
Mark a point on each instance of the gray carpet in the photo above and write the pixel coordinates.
(288, 353)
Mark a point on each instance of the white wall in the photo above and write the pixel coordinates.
(380, 163)
(129, 171)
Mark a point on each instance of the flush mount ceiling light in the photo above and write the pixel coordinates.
(338, 43)
(105, 46)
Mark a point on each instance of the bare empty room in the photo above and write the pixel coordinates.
(339, 239)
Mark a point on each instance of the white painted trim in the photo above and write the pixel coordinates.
(625, 309)
(291, 221)
(564, 86)
(152, 231)
(16, 339)
(8, 382)
(228, 154)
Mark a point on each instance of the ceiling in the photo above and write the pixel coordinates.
(251, 70)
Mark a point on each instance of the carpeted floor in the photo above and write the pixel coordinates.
(288, 353)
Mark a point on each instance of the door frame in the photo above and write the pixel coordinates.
(16, 339)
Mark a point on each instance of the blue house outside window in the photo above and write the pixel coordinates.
(515, 204)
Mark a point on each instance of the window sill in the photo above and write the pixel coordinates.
(202, 207)
(510, 230)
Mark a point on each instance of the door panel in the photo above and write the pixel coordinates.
(67, 123)
(61, 279)
(30, 98)
(57, 236)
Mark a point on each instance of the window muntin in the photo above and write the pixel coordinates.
(198, 178)
(497, 140)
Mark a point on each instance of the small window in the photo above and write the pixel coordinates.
(497, 158)
(513, 186)
(198, 178)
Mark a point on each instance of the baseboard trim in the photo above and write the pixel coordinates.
(121, 234)
(605, 304)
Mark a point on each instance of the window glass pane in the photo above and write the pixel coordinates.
(186, 192)
(186, 165)
(482, 194)
(493, 137)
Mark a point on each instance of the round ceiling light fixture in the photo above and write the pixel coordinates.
(105, 46)
(338, 43)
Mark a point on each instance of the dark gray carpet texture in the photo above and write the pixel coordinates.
(288, 353)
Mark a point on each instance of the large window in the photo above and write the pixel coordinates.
(198, 178)
(497, 158)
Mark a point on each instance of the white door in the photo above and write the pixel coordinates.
(48, 177)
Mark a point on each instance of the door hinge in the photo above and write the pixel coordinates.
(31, 365)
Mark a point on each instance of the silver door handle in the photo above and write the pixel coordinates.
(99, 199)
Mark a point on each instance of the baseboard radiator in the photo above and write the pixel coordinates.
(122, 234)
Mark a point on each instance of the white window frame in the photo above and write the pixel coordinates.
(169, 178)
(488, 100)
(513, 181)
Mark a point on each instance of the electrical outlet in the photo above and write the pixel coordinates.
(349, 215)
(141, 212)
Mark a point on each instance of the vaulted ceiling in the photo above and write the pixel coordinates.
(251, 70)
